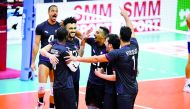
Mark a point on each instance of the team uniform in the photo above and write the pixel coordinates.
(110, 90)
(47, 33)
(187, 83)
(188, 43)
(74, 47)
(95, 85)
(125, 64)
(63, 88)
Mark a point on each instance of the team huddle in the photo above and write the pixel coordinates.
(112, 80)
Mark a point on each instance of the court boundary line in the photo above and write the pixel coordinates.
(83, 93)
(85, 86)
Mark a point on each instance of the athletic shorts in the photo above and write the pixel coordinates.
(110, 101)
(94, 95)
(188, 42)
(46, 63)
(64, 98)
(126, 101)
(76, 87)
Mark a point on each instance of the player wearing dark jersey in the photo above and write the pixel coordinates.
(187, 69)
(125, 63)
(73, 45)
(44, 34)
(112, 42)
(63, 88)
(95, 85)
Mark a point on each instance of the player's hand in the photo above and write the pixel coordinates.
(123, 12)
(53, 59)
(70, 58)
(78, 34)
(99, 71)
(87, 34)
(33, 66)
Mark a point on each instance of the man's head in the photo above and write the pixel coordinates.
(70, 24)
(52, 12)
(125, 34)
(61, 34)
(188, 20)
(100, 35)
(112, 42)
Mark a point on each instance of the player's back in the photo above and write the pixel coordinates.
(62, 74)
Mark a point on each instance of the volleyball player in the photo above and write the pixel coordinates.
(63, 87)
(74, 46)
(125, 63)
(112, 42)
(44, 34)
(187, 70)
(95, 86)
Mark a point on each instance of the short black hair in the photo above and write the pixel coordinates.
(105, 30)
(114, 40)
(61, 34)
(51, 7)
(69, 20)
(125, 33)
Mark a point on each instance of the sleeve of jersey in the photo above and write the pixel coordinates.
(73, 65)
(112, 56)
(38, 30)
(90, 41)
(134, 41)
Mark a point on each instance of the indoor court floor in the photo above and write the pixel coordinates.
(162, 60)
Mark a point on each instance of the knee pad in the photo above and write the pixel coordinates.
(51, 88)
(42, 87)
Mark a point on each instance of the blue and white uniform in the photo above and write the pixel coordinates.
(95, 85)
(47, 33)
(63, 87)
(125, 64)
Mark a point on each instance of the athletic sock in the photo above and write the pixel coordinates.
(41, 99)
(51, 105)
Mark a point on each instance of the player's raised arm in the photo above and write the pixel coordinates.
(128, 22)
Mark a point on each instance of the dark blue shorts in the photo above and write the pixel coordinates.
(46, 63)
(64, 98)
(94, 95)
(188, 43)
(110, 101)
(126, 101)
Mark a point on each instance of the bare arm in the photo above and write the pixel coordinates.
(83, 41)
(35, 51)
(127, 21)
(102, 75)
(92, 59)
(52, 57)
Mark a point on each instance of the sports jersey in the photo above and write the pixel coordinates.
(125, 64)
(96, 50)
(47, 32)
(62, 73)
(74, 47)
(188, 41)
(110, 85)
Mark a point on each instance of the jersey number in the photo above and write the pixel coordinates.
(51, 38)
(133, 57)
